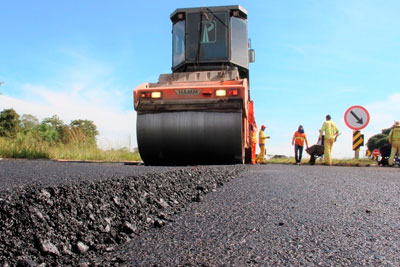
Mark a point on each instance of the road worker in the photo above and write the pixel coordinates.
(331, 132)
(253, 142)
(298, 141)
(261, 142)
(394, 140)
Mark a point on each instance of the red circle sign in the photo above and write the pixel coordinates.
(356, 117)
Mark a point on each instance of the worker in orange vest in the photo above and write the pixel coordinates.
(261, 142)
(253, 142)
(298, 141)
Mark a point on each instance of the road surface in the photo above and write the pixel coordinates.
(284, 215)
(271, 215)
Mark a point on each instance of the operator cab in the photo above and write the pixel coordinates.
(210, 38)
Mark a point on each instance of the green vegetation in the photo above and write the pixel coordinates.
(379, 140)
(284, 160)
(25, 137)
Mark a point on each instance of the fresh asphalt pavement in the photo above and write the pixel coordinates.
(283, 215)
(22, 172)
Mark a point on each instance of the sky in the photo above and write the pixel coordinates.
(83, 59)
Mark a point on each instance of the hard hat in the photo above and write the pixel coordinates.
(263, 126)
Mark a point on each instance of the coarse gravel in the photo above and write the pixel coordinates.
(283, 215)
(77, 214)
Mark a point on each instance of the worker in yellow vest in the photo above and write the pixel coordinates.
(331, 133)
(394, 140)
(253, 142)
(261, 142)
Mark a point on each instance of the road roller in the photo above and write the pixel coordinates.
(201, 113)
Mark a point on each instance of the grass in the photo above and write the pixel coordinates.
(336, 162)
(25, 147)
(91, 153)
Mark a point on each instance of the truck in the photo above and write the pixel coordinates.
(201, 113)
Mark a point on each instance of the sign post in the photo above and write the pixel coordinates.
(357, 118)
(358, 141)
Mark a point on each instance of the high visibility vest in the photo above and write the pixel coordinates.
(299, 138)
(330, 128)
(394, 134)
(261, 138)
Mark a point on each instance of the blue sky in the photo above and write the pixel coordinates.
(82, 60)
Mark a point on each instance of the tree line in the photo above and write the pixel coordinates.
(51, 130)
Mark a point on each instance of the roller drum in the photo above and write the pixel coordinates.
(190, 137)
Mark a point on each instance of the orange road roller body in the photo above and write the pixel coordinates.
(202, 112)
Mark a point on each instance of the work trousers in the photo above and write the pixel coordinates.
(298, 152)
(260, 157)
(394, 151)
(328, 143)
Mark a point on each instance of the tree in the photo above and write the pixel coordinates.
(87, 127)
(48, 133)
(9, 123)
(54, 122)
(51, 129)
(379, 140)
(28, 122)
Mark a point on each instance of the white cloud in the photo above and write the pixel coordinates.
(85, 90)
(384, 113)
(115, 125)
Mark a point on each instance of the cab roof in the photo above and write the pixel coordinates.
(243, 11)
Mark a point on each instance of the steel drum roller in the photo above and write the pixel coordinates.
(179, 138)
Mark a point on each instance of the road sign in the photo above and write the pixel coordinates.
(356, 117)
(358, 140)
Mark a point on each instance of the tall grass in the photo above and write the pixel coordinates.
(23, 146)
(27, 146)
(78, 151)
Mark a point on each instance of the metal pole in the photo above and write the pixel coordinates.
(357, 154)
(356, 136)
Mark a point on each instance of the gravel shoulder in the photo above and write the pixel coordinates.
(283, 215)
